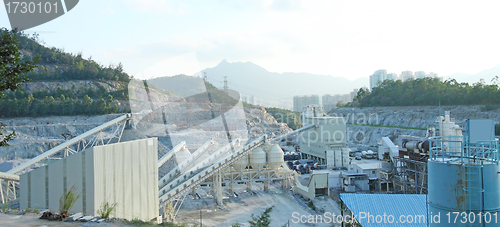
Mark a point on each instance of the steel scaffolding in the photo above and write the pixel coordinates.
(409, 176)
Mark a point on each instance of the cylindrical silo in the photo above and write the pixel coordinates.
(465, 183)
(472, 188)
(275, 157)
(241, 164)
(258, 159)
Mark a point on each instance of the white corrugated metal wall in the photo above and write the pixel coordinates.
(128, 177)
(123, 173)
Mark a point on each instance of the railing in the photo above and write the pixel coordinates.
(447, 148)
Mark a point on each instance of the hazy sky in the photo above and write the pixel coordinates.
(349, 39)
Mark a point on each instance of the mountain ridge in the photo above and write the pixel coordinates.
(487, 75)
(274, 89)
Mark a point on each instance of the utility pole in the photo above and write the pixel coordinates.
(225, 84)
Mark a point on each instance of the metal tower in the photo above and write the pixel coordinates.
(225, 84)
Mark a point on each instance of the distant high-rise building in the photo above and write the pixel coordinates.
(435, 75)
(300, 101)
(377, 78)
(353, 94)
(392, 76)
(419, 75)
(432, 75)
(406, 75)
(329, 102)
(345, 98)
(380, 75)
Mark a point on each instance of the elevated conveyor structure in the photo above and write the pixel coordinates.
(189, 180)
(216, 156)
(185, 164)
(175, 184)
(278, 138)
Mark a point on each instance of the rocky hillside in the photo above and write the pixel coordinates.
(369, 136)
(413, 116)
(368, 125)
(37, 135)
(260, 122)
(35, 86)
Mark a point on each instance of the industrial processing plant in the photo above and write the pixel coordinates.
(149, 181)
(148, 164)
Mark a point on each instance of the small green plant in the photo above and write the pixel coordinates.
(236, 224)
(263, 220)
(139, 222)
(67, 200)
(136, 221)
(310, 204)
(106, 209)
(5, 206)
(34, 210)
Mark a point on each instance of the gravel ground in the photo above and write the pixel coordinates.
(240, 210)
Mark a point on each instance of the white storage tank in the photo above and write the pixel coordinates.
(241, 164)
(258, 158)
(275, 157)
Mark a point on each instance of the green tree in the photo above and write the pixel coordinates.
(263, 220)
(361, 94)
(87, 102)
(12, 71)
(101, 106)
(110, 99)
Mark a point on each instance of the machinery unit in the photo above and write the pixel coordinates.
(326, 142)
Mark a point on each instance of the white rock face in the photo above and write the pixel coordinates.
(35, 86)
(259, 122)
(413, 116)
(37, 135)
(369, 135)
(413, 120)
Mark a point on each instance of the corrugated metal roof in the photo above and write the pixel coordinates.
(402, 207)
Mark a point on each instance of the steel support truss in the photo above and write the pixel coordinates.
(410, 176)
